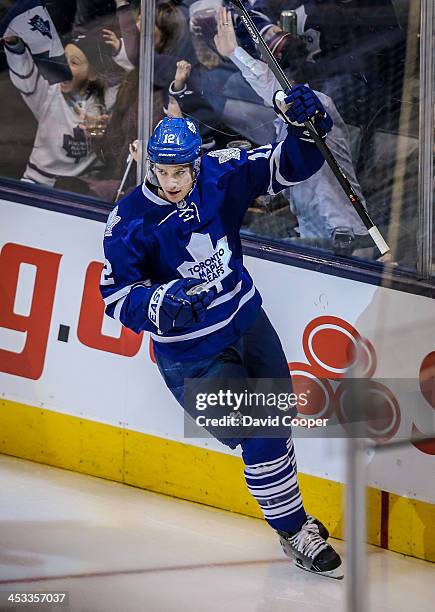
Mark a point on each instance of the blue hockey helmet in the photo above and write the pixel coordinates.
(174, 141)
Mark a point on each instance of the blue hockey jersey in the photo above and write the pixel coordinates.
(149, 241)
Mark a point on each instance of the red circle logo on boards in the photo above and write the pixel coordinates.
(334, 349)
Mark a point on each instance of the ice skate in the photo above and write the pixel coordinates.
(311, 552)
(323, 531)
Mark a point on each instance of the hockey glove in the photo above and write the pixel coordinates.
(298, 105)
(171, 307)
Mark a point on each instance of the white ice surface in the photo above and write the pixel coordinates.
(115, 548)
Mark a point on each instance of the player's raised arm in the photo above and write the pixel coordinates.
(300, 158)
(272, 168)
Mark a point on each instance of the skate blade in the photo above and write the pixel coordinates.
(336, 574)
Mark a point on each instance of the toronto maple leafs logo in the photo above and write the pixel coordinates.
(40, 25)
(211, 263)
(225, 155)
(112, 220)
(76, 146)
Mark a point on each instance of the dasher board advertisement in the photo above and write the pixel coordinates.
(58, 350)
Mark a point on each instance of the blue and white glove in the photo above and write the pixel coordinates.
(298, 105)
(171, 306)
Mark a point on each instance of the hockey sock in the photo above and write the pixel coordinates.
(291, 454)
(271, 478)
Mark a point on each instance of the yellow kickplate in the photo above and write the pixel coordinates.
(411, 527)
(193, 473)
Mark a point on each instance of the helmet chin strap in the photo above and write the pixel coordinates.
(196, 166)
(150, 175)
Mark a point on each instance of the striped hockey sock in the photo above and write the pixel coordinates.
(270, 473)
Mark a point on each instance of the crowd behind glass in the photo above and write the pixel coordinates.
(73, 130)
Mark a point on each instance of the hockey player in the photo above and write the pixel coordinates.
(174, 267)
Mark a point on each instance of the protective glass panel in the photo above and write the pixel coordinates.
(69, 83)
(363, 60)
(361, 57)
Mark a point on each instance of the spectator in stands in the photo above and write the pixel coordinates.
(232, 100)
(170, 33)
(172, 70)
(171, 37)
(122, 128)
(356, 49)
(171, 40)
(64, 111)
(91, 14)
(322, 209)
(274, 8)
(186, 89)
(125, 50)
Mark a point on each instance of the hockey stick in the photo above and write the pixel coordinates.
(133, 148)
(323, 147)
(130, 160)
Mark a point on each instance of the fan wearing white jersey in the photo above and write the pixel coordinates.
(62, 148)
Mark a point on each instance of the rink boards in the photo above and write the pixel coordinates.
(79, 392)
